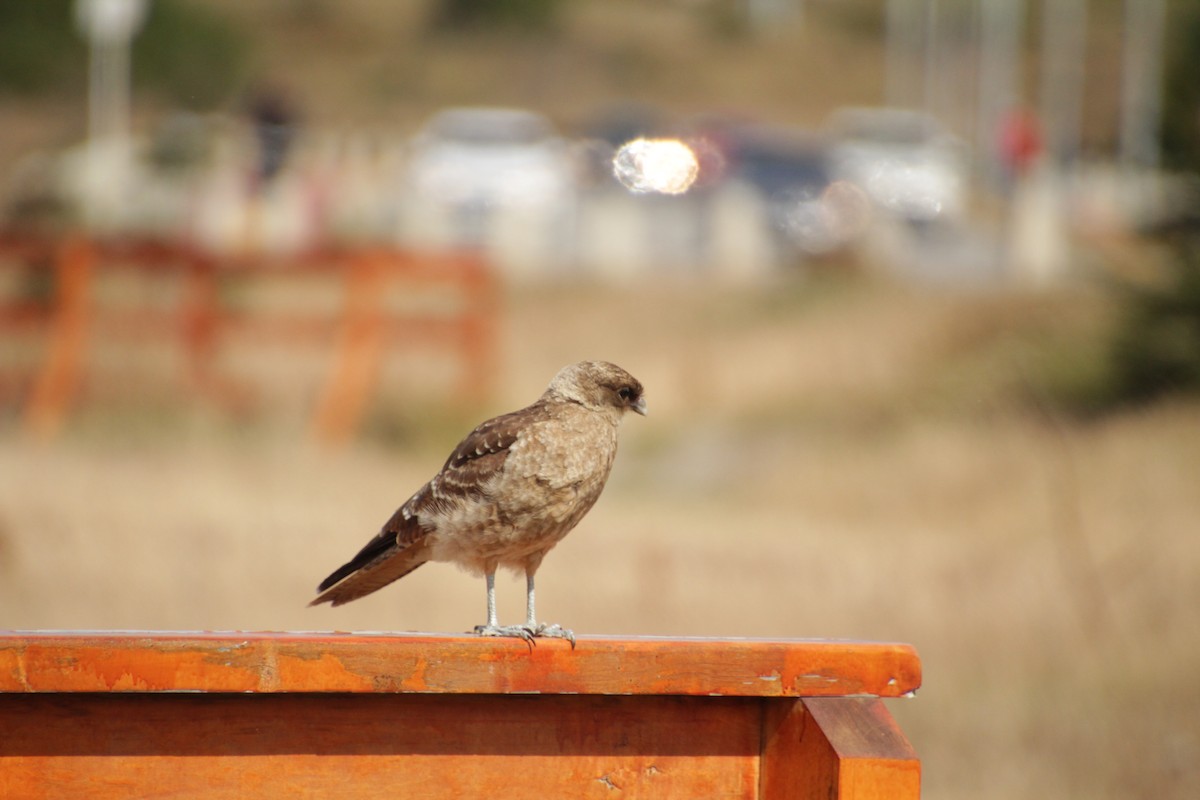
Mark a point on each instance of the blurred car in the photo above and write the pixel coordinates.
(791, 171)
(904, 160)
(607, 130)
(474, 162)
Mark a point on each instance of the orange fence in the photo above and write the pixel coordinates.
(107, 715)
(361, 334)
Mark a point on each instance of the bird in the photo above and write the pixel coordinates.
(508, 493)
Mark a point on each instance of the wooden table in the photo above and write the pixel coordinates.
(238, 715)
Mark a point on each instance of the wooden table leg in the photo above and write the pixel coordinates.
(843, 747)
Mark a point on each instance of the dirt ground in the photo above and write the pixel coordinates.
(821, 459)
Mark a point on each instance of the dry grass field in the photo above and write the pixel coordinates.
(823, 459)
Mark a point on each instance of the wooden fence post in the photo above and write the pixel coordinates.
(199, 318)
(478, 325)
(360, 350)
(58, 379)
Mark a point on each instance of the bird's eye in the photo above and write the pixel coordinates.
(625, 393)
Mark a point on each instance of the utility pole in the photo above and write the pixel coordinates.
(109, 26)
(1001, 25)
(1064, 43)
(904, 46)
(1141, 83)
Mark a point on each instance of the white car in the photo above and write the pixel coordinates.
(904, 160)
(469, 166)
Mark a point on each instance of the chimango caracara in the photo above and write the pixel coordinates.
(508, 493)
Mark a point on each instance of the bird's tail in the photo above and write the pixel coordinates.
(382, 561)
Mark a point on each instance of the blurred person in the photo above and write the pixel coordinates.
(276, 121)
(1020, 145)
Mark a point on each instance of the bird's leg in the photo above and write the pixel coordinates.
(551, 631)
(491, 599)
(530, 616)
(492, 628)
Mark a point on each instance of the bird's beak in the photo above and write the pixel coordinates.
(640, 406)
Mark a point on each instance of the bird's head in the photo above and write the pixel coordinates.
(600, 386)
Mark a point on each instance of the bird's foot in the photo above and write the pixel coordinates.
(512, 631)
(555, 632)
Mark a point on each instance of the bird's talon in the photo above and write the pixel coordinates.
(556, 632)
(512, 631)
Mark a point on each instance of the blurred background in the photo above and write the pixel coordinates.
(913, 286)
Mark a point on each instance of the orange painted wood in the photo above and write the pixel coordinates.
(360, 353)
(846, 747)
(784, 776)
(230, 746)
(875, 760)
(58, 379)
(465, 326)
(233, 715)
(198, 319)
(288, 662)
(478, 330)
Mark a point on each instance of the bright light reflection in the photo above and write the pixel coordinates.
(665, 166)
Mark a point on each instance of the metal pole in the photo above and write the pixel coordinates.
(1001, 23)
(1064, 40)
(932, 82)
(1141, 83)
(109, 26)
(903, 49)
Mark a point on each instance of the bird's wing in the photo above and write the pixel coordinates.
(396, 550)
(478, 458)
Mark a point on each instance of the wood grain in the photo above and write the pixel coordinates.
(101, 746)
(283, 662)
(845, 747)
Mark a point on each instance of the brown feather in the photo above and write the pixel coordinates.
(387, 567)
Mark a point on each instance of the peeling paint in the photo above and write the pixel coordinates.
(812, 676)
(608, 782)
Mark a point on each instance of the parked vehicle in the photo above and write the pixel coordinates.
(468, 165)
(904, 160)
(791, 171)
